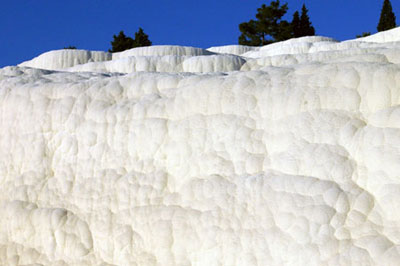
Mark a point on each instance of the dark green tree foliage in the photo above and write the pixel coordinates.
(387, 20)
(285, 31)
(268, 27)
(121, 43)
(364, 34)
(250, 35)
(141, 39)
(306, 29)
(296, 27)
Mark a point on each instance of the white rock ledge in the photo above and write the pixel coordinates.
(287, 154)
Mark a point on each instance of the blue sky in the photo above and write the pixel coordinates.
(31, 27)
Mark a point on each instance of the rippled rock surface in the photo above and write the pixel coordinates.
(287, 154)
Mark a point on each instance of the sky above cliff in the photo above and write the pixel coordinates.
(31, 27)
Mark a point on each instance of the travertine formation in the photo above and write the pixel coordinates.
(287, 154)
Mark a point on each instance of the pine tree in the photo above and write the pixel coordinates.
(306, 29)
(121, 43)
(285, 31)
(387, 20)
(141, 39)
(364, 34)
(296, 27)
(268, 27)
(250, 36)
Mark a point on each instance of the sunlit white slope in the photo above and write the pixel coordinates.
(60, 59)
(162, 50)
(392, 35)
(283, 155)
(167, 63)
(292, 46)
(232, 49)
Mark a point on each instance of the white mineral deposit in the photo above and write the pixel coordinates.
(287, 154)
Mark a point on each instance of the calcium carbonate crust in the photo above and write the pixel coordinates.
(286, 154)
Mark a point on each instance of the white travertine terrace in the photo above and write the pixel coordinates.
(162, 50)
(60, 59)
(284, 155)
(233, 49)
